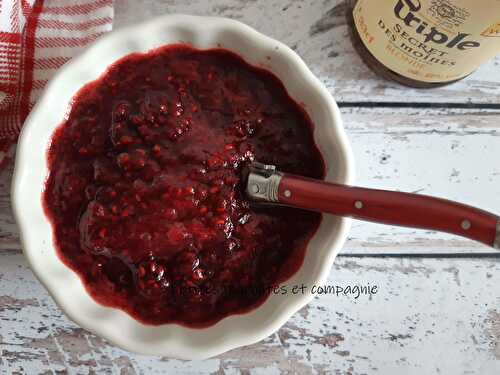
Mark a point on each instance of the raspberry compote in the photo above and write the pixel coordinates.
(145, 189)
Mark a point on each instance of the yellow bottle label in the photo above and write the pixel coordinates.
(430, 40)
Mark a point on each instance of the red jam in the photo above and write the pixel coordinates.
(145, 190)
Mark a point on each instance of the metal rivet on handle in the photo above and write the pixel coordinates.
(287, 193)
(358, 205)
(466, 224)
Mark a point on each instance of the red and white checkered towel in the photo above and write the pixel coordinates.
(36, 38)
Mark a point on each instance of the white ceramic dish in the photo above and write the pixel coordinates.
(31, 171)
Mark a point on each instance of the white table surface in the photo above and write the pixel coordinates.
(437, 310)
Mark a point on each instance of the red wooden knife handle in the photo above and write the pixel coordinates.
(390, 207)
